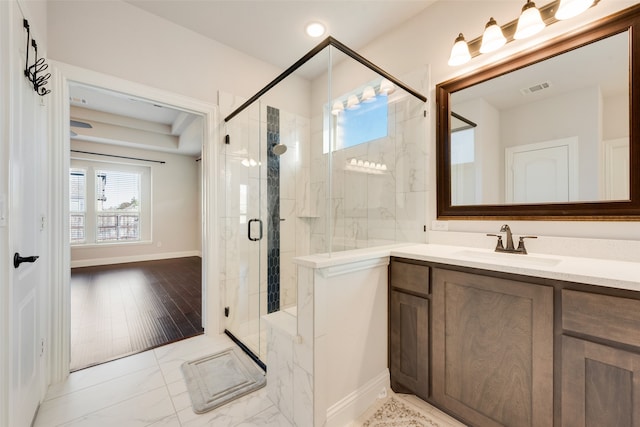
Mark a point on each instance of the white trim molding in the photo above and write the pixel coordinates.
(352, 267)
(356, 403)
(133, 258)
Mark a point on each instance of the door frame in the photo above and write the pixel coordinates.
(59, 161)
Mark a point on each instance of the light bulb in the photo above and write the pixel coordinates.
(530, 21)
(368, 94)
(386, 87)
(459, 52)
(492, 38)
(570, 8)
(353, 102)
(337, 108)
(315, 29)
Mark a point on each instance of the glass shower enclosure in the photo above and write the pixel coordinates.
(330, 156)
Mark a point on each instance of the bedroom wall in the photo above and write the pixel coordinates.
(175, 224)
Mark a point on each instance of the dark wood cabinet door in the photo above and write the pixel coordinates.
(492, 349)
(600, 385)
(409, 344)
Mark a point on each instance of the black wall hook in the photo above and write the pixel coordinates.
(39, 65)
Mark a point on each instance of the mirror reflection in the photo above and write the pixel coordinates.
(556, 131)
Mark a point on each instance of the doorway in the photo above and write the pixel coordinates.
(134, 209)
(66, 78)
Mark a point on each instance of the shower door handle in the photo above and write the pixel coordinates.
(259, 221)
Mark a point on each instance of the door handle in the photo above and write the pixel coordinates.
(17, 259)
(259, 221)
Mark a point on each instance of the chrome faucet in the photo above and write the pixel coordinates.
(509, 238)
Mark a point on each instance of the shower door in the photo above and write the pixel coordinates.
(246, 228)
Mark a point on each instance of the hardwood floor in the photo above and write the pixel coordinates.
(118, 310)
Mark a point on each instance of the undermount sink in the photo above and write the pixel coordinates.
(507, 258)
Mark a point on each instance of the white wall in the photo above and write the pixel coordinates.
(570, 114)
(615, 117)
(427, 39)
(175, 209)
(119, 39)
(489, 155)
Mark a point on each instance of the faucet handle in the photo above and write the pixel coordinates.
(499, 245)
(521, 247)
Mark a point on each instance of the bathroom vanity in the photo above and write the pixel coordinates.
(516, 340)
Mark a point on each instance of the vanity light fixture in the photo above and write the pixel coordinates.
(368, 95)
(492, 38)
(365, 166)
(460, 52)
(530, 22)
(315, 29)
(570, 8)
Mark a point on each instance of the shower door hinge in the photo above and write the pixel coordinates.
(227, 139)
(226, 312)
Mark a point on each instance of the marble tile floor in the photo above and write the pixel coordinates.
(147, 389)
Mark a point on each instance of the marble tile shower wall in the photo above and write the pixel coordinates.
(295, 230)
(371, 209)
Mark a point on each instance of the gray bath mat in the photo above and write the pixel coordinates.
(220, 378)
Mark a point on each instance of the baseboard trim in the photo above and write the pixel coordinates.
(133, 258)
(357, 402)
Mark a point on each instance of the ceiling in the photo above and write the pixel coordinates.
(119, 119)
(273, 31)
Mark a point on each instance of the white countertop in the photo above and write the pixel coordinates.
(607, 273)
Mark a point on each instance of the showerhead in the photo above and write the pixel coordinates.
(279, 149)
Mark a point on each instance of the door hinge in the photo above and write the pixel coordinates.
(41, 347)
(226, 312)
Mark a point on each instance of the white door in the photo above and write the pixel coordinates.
(27, 163)
(542, 172)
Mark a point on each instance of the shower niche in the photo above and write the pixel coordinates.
(328, 157)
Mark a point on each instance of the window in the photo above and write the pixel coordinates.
(366, 123)
(463, 146)
(109, 203)
(117, 205)
(77, 205)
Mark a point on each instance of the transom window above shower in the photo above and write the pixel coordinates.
(362, 116)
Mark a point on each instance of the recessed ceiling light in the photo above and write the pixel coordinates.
(315, 29)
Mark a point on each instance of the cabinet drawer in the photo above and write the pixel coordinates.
(602, 316)
(410, 277)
